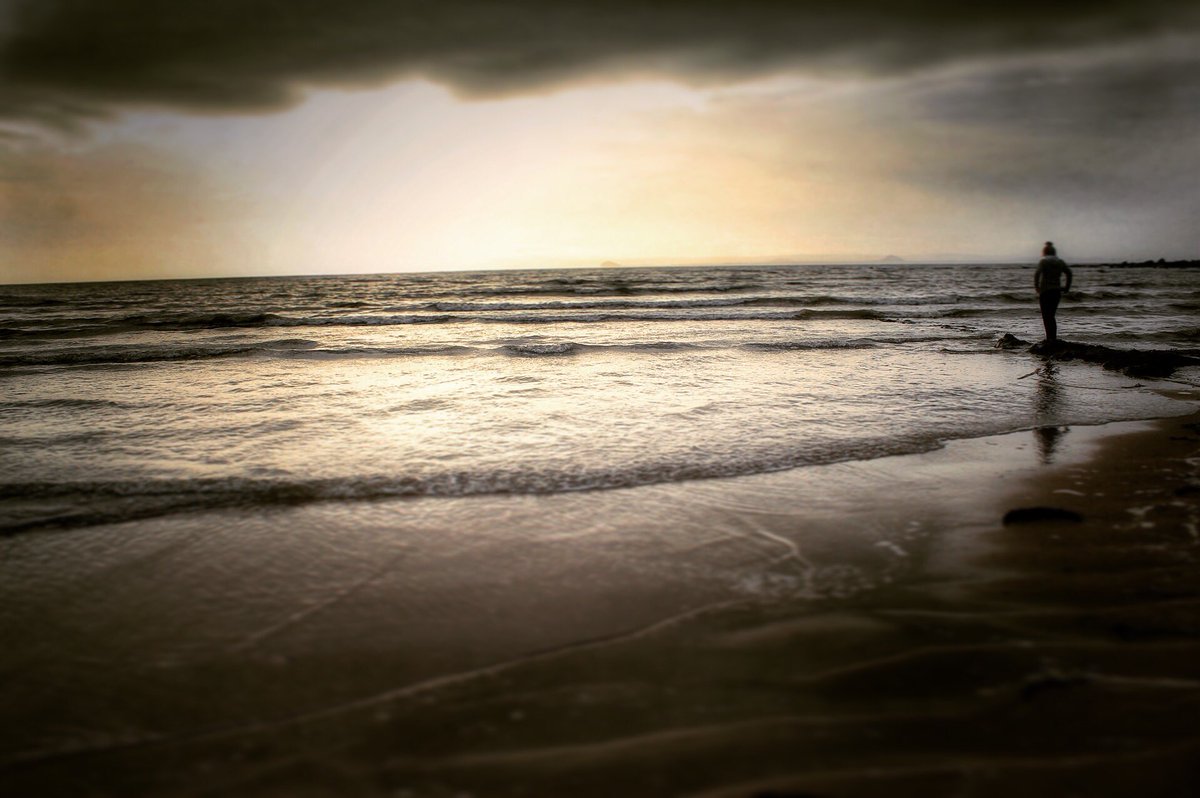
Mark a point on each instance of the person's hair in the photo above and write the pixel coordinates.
(1049, 249)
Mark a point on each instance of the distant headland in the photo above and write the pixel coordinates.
(1159, 264)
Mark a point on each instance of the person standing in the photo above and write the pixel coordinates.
(1048, 282)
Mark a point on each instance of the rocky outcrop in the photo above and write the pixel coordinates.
(1148, 363)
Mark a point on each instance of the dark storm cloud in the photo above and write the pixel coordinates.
(1128, 123)
(1122, 94)
(63, 60)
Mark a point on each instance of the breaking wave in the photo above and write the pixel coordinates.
(114, 501)
(304, 349)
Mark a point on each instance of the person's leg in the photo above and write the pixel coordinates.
(1048, 300)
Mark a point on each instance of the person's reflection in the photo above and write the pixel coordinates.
(1045, 405)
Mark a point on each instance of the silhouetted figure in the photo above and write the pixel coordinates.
(1048, 282)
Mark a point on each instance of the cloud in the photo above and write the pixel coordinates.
(64, 61)
(112, 211)
(1098, 149)
(1119, 124)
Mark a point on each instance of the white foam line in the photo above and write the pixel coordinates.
(792, 554)
(792, 550)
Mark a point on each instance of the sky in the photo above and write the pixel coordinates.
(155, 139)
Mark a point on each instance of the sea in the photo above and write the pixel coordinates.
(162, 399)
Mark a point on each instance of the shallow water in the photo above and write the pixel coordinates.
(131, 400)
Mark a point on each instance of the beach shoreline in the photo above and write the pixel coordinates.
(1074, 650)
(857, 629)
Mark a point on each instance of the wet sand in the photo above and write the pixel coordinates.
(1068, 664)
(852, 630)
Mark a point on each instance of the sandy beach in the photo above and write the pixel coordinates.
(599, 400)
(763, 635)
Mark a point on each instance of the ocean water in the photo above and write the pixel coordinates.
(138, 400)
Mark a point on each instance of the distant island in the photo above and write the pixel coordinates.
(892, 259)
(609, 264)
(1161, 262)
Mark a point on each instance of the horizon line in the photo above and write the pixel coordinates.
(889, 260)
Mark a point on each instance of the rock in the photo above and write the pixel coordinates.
(1148, 363)
(1010, 341)
(1033, 515)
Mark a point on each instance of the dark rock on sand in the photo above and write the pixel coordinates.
(1030, 515)
(1052, 680)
